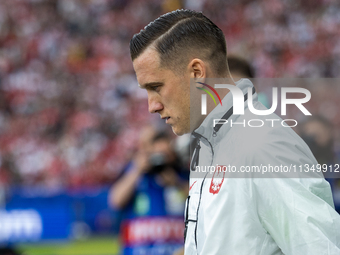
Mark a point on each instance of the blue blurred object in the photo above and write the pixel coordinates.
(33, 216)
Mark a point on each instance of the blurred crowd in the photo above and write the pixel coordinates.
(70, 108)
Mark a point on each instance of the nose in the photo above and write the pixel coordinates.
(154, 104)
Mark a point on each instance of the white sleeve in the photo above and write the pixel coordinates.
(298, 213)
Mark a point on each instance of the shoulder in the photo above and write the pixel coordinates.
(264, 136)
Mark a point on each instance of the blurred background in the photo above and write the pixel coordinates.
(71, 111)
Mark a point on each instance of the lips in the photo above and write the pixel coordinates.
(166, 119)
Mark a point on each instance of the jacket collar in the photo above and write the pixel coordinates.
(206, 129)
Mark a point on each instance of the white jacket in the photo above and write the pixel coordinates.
(257, 216)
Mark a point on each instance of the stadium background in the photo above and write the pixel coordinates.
(70, 108)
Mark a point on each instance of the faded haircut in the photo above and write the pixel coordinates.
(180, 35)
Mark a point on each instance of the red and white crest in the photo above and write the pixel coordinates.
(217, 180)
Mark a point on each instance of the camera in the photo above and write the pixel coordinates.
(158, 162)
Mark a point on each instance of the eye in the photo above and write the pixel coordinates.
(156, 88)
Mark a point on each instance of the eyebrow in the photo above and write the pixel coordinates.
(150, 84)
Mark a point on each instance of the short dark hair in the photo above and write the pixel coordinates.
(240, 65)
(183, 33)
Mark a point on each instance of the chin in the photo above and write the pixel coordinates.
(179, 132)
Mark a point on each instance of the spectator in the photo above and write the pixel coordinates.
(151, 193)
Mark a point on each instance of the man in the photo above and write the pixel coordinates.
(174, 57)
(240, 68)
(151, 193)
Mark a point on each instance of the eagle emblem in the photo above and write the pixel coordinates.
(217, 180)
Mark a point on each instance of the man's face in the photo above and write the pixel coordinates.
(168, 93)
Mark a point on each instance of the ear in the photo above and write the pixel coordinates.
(197, 69)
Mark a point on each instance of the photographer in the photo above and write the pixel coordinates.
(151, 192)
